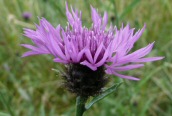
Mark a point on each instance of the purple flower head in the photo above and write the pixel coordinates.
(27, 15)
(94, 47)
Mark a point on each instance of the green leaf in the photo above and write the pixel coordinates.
(42, 110)
(103, 95)
(4, 114)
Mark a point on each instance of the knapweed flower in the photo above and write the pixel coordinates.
(89, 52)
(27, 15)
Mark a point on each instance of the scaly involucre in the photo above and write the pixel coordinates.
(94, 47)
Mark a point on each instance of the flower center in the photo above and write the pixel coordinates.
(83, 81)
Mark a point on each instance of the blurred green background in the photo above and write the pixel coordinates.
(29, 86)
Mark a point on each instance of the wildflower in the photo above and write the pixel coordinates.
(89, 53)
(27, 15)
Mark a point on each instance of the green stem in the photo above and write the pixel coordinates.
(80, 105)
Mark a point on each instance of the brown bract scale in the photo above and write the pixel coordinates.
(83, 81)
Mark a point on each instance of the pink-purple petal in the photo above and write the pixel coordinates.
(126, 77)
(31, 53)
(91, 66)
(128, 67)
(60, 60)
(98, 52)
(149, 59)
(89, 56)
